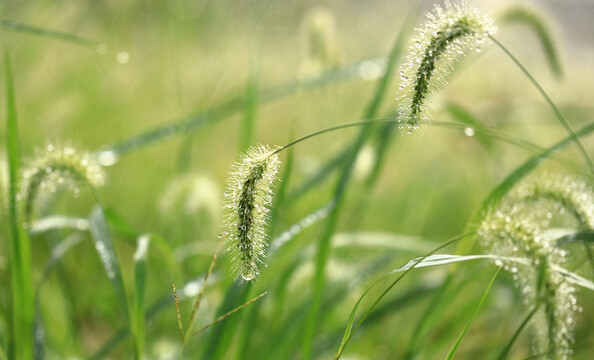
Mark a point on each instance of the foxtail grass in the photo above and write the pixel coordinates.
(448, 33)
(517, 229)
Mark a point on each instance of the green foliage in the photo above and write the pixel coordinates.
(349, 249)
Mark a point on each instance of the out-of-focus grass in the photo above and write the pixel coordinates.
(187, 57)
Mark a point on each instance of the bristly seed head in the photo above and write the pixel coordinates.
(57, 166)
(444, 37)
(248, 197)
(517, 228)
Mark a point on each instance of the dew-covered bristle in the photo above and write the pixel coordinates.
(248, 197)
(57, 167)
(446, 35)
(518, 229)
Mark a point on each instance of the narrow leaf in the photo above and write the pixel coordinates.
(107, 254)
(140, 270)
(20, 260)
(48, 33)
(476, 310)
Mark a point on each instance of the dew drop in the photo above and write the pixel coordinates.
(107, 158)
(469, 132)
(247, 276)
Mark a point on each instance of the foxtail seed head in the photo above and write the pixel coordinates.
(444, 37)
(248, 196)
(56, 167)
(517, 228)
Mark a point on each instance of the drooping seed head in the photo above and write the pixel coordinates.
(319, 42)
(248, 197)
(517, 228)
(531, 18)
(446, 35)
(54, 167)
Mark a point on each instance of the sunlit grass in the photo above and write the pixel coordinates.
(365, 257)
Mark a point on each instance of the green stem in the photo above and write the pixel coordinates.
(508, 347)
(333, 128)
(554, 107)
(20, 261)
(350, 332)
(450, 355)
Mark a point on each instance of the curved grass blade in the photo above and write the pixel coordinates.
(463, 116)
(164, 250)
(436, 309)
(324, 245)
(156, 307)
(504, 353)
(514, 141)
(523, 170)
(48, 33)
(55, 222)
(535, 22)
(23, 307)
(55, 256)
(585, 236)
(350, 330)
(140, 273)
(108, 256)
(476, 310)
(281, 193)
(549, 101)
(437, 260)
(109, 154)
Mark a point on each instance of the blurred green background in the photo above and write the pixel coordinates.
(167, 60)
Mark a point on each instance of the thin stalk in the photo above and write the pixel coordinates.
(505, 351)
(222, 317)
(179, 320)
(349, 331)
(450, 355)
(36, 30)
(554, 107)
(334, 128)
(199, 297)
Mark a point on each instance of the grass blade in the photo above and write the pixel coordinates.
(504, 353)
(55, 256)
(523, 170)
(109, 154)
(535, 22)
(108, 256)
(324, 245)
(476, 310)
(224, 316)
(140, 270)
(55, 222)
(219, 341)
(23, 307)
(556, 111)
(350, 331)
(47, 33)
(246, 133)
